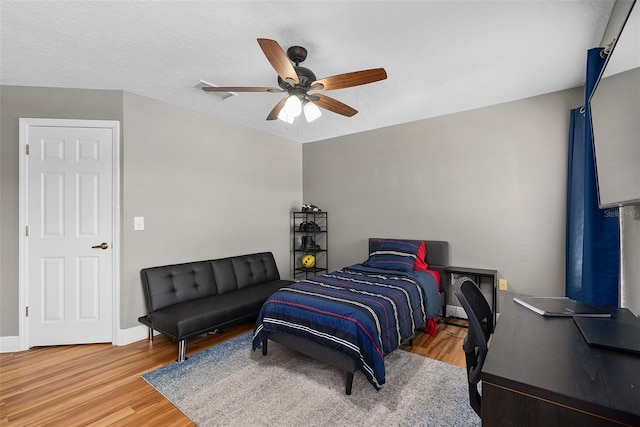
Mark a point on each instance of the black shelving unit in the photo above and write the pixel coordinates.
(302, 232)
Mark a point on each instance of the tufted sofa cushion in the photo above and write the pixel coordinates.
(192, 318)
(173, 284)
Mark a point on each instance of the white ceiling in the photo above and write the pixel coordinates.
(440, 56)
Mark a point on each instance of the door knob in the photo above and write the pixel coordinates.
(103, 245)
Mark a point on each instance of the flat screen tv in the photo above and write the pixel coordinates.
(615, 118)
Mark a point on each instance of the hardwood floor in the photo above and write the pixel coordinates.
(100, 384)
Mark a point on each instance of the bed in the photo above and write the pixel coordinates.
(353, 317)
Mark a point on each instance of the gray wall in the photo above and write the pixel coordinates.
(17, 102)
(615, 111)
(630, 246)
(206, 188)
(490, 181)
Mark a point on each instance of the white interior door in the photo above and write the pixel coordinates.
(70, 233)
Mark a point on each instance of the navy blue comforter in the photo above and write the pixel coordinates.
(362, 312)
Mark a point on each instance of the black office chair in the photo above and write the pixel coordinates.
(480, 329)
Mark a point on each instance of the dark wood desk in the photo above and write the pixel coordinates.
(541, 372)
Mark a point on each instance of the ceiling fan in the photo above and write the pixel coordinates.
(298, 81)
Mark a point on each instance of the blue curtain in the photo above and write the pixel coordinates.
(593, 234)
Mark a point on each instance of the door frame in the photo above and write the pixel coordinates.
(23, 294)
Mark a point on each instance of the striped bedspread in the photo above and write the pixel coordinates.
(362, 312)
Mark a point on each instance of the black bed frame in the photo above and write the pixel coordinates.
(437, 258)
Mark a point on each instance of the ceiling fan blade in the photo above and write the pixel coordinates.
(273, 115)
(355, 78)
(278, 59)
(241, 89)
(332, 105)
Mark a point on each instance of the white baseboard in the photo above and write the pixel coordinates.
(9, 344)
(456, 311)
(131, 335)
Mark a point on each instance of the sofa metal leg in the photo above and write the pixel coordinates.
(182, 350)
(349, 384)
(150, 334)
(264, 346)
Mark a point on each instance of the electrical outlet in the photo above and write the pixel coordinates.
(502, 284)
(138, 223)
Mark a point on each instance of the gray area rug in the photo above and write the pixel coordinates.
(229, 385)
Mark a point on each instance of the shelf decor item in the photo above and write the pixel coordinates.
(308, 261)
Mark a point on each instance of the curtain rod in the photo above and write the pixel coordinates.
(607, 49)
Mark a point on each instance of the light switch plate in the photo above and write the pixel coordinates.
(138, 223)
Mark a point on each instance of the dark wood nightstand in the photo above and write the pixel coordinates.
(477, 274)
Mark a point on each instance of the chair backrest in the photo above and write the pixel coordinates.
(480, 329)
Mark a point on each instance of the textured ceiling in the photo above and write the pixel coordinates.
(440, 56)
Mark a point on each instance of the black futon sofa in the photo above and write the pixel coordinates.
(190, 299)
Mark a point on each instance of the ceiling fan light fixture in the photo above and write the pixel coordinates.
(297, 81)
(293, 106)
(311, 111)
(282, 115)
